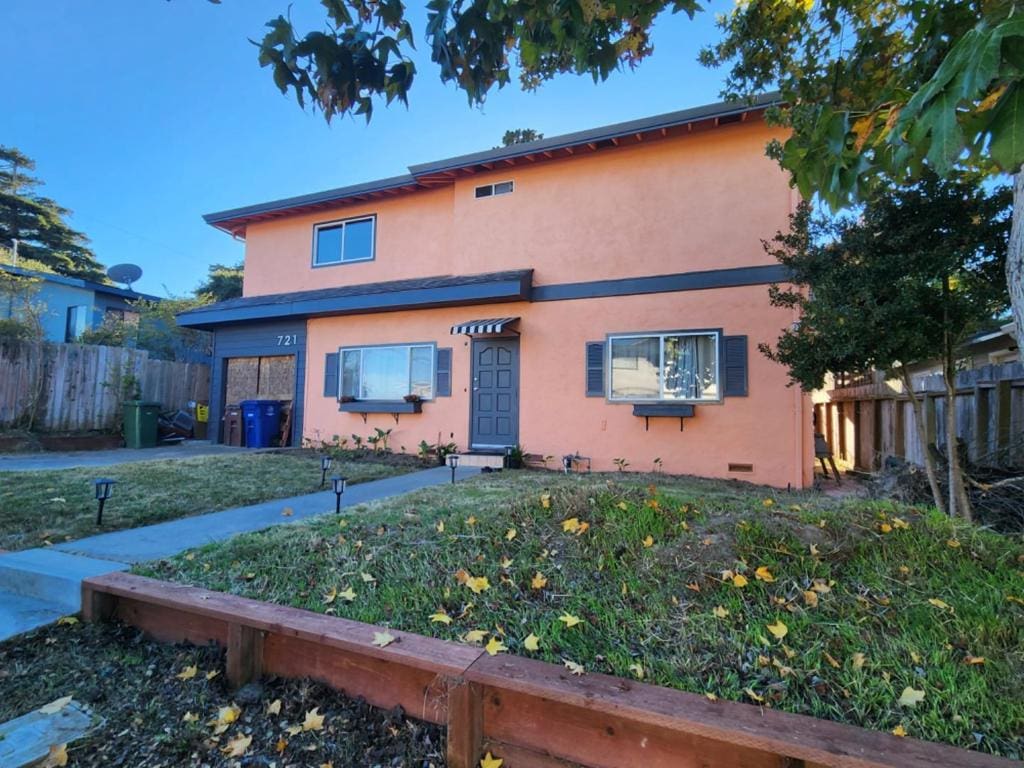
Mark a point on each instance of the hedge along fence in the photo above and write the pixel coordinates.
(532, 714)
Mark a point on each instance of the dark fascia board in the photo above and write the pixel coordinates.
(508, 288)
(668, 120)
(327, 196)
(78, 282)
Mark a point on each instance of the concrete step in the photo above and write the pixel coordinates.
(51, 576)
(19, 614)
(26, 740)
(474, 459)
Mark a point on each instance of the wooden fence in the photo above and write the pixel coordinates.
(866, 423)
(529, 713)
(76, 387)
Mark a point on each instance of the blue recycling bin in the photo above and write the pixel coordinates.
(262, 420)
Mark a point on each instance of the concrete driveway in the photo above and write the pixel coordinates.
(22, 462)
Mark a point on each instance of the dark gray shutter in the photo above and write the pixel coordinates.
(443, 372)
(331, 374)
(595, 369)
(734, 366)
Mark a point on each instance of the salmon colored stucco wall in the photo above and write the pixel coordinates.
(771, 428)
(696, 202)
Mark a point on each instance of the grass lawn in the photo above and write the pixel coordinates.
(795, 601)
(43, 507)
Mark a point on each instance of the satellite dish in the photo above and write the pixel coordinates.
(125, 273)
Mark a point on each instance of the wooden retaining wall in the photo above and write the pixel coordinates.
(530, 713)
(79, 387)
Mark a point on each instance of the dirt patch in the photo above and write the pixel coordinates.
(147, 716)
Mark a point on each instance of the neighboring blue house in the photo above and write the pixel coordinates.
(74, 305)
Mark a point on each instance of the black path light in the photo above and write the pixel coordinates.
(104, 487)
(453, 462)
(325, 465)
(338, 484)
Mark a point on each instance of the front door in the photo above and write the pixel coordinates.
(494, 417)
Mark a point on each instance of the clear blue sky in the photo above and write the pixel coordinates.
(144, 114)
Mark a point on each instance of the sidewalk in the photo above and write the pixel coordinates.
(39, 585)
(26, 462)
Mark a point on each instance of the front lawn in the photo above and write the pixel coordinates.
(48, 507)
(840, 610)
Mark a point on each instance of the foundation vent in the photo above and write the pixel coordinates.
(741, 467)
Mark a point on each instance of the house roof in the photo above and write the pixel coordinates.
(393, 295)
(77, 282)
(444, 172)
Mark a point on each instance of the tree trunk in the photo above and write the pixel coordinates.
(1015, 258)
(922, 437)
(958, 501)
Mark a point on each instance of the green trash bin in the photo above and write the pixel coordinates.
(140, 421)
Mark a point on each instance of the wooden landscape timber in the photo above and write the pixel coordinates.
(530, 713)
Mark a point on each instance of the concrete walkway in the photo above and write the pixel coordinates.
(37, 586)
(26, 462)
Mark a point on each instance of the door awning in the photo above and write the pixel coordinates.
(494, 325)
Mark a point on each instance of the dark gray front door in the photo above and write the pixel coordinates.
(494, 420)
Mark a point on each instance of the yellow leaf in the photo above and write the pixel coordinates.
(293, 730)
(821, 586)
(274, 707)
(649, 541)
(330, 595)
(478, 584)
(720, 611)
(440, 526)
(693, 586)
(900, 731)
(768, 502)
(832, 662)
(212, 674)
(898, 522)
(814, 550)
(475, 636)
(811, 598)
(910, 697)
(623, 506)
(441, 618)
(752, 694)
(505, 562)
(471, 520)
(56, 756)
(539, 581)
(188, 673)
(941, 605)
(710, 696)
(968, 659)
(569, 620)
(314, 720)
(739, 580)
(532, 642)
(510, 534)
(66, 621)
(490, 761)
(778, 629)
(348, 595)
(573, 667)
(189, 717)
(494, 646)
(885, 528)
(55, 706)
(570, 525)
(545, 500)
(638, 670)
(1014, 599)
(952, 543)
(225, 717)
(287, 512)
(858, 660)
(368, 578)
(763, 574)
(383, 639)
(584, 527)
(282, 745)
(237, 746)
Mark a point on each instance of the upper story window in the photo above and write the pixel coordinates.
(388, 372)
(490, 190)
(340, 242)
(679, 366)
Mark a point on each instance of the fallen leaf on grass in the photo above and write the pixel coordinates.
(348, 595)
(739, 580)
(57, 756)
(383, 639)
(910, 697)
(314, 720)
(940, 604)
(510, 534)
(237, 746)
(490, 761)
(505, 562)
(274, 707)
(821, 586)
(55, 706)
(189, 717)
(532, 642)
(710, 696)
(648, 542)
(638, 670)
(720, 611)
(545, 500)
(571, 525)
(574, 668)
(440, 618)
(366, 577)
(973, 660)
(440, 526)
(778, 629)
(330, 595)
(539, 581)
(478, 584)
(475, 636)
(832, 661)
(858, 660)
(898, 522)
(569, 620)
(763, 574)
(494, 646)
(768, 502)
(753, 695)
(67, 621)
(188, 673)
(811, 598)
(900, 731)
(471, 520)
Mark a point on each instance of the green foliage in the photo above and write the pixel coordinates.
(223, 282)
(20, 315)
(520, 136)
(38, 223)
(156, 330)
(871, 290)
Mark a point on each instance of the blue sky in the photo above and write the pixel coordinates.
(144, 114)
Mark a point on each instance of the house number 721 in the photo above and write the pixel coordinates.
(287, 339)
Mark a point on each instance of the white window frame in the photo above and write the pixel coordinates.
(432, 346)
(372, 218)
(661, 336)
(492, 186)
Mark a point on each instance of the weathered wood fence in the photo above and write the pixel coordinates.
(530, 713)
(75, 387)
(874, 419)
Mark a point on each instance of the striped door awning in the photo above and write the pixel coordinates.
(494, 325)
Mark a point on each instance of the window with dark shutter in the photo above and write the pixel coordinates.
(734, 365)
(331, 374)
(443, 373)
(595, 369)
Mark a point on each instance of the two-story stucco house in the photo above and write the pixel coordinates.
(601, 292)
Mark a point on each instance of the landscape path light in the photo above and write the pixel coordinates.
(453, 462)
(104, 487)
(325, 466)
(338, 484)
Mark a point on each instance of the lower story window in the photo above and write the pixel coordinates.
(387, 372)
(678, 366)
